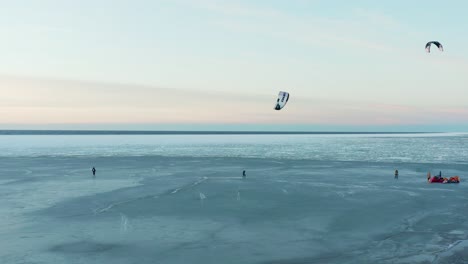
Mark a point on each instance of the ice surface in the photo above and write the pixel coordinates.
(322, 199)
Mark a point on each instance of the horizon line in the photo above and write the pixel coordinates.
(186, 132)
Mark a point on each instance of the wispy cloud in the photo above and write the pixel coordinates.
(32, 100)
(34, 29)
(230, 8)
(377, 18)
(29, 100)
(318, 31)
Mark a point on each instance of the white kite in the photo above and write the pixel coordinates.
(283, 98)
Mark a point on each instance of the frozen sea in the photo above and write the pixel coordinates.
(181, 199)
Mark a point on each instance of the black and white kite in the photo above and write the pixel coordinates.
(437, 43)
(283, 98)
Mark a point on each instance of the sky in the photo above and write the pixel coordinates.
(219, 65)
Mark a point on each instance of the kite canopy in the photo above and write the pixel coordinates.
(437, 43)
(282, 100)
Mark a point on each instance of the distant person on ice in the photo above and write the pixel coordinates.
(396, 174)
(243, 174)
(94, 171)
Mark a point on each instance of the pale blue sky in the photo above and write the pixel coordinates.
(166, 63)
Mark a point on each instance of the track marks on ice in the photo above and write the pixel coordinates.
(176, 190)
(190, 185)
